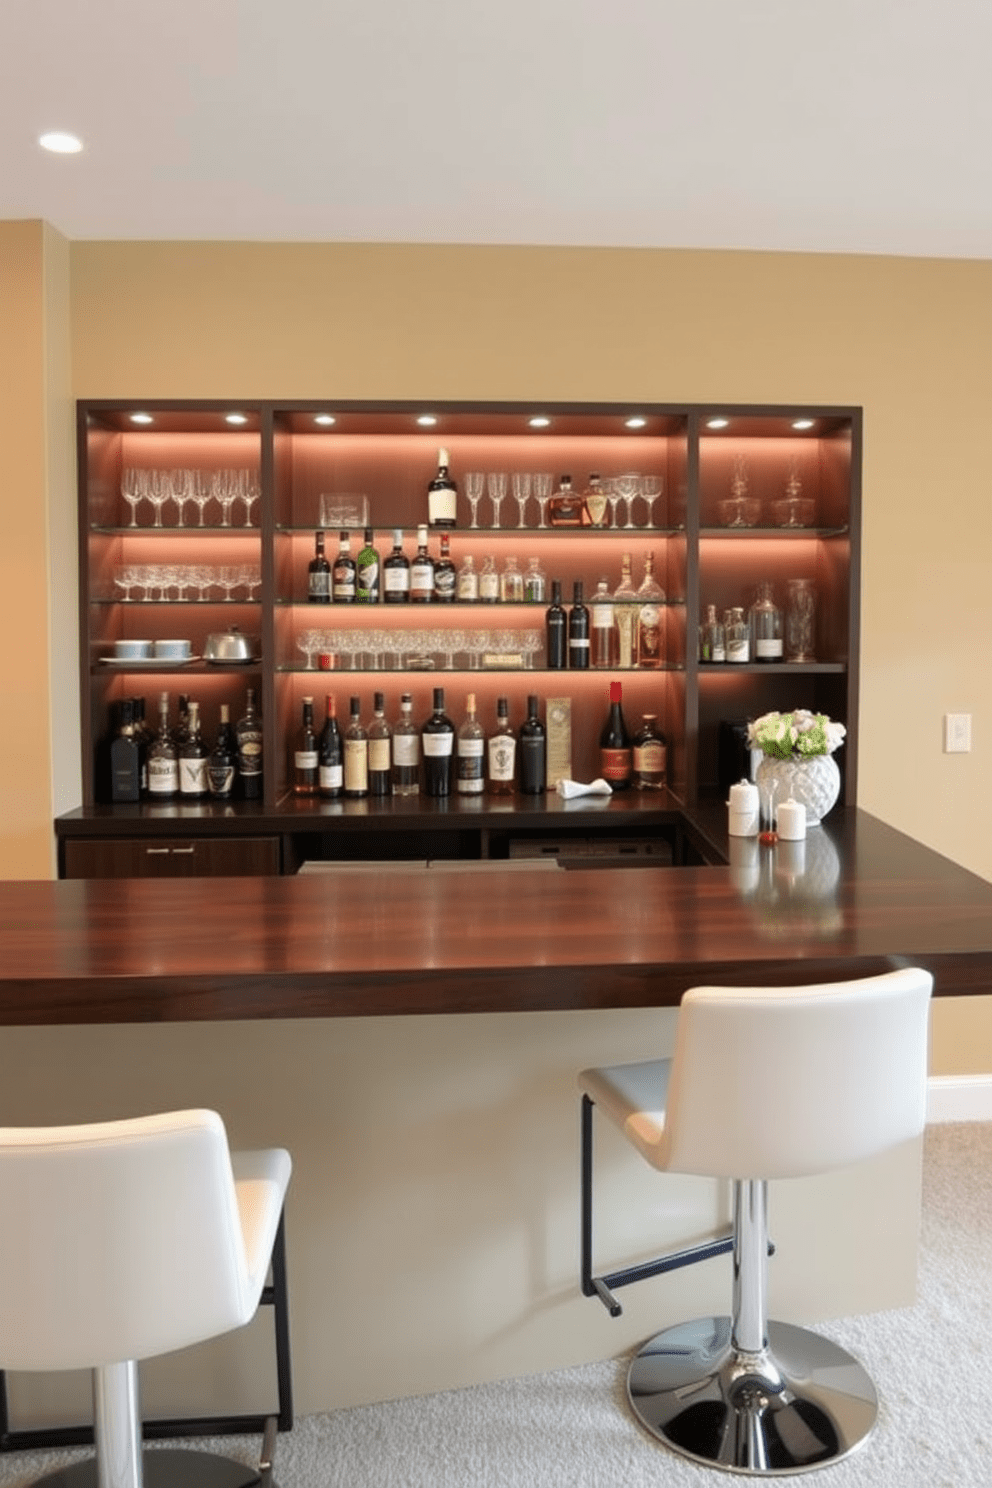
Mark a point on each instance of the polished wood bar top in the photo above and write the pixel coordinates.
(856, 898)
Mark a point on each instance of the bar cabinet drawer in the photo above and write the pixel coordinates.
(171, 857)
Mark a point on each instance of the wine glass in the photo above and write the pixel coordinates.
(454, 641)
(228, 578)
(521, 493)
(530, 644)
(309, 642)
(133, 490)
(476, 642)
(543, 481)
(250, 491)
(497, 482)
(179, 490)
(612, 489)
(225, 488)
(628, 487)
(475, 481)
(651, 489)
(127, 577)
(200, 490)
(159, 492)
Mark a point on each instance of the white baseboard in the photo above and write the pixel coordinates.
(959, 1098)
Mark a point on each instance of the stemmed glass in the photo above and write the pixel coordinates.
(200, 490)
(543, 482)
(179, 490)
(651, 489)
(628, 487)
(202, 577)
(475, 480)
(250, 575)
(250, 492)
(310, 642)
(159, 492)
(454, 641)
(127, 577)
(133, 490)
(497, 481)
(521, 493)
(475, 644)
(228, 577)
(225, 488)
(378, 640)
(530, 645)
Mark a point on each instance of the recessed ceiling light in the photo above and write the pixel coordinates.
(427, 419)
(635, 423)
(235, 418)
(60, 143)
(717, 423)
(539, 422)
(141, 418)
(324, 418)
(802, 423)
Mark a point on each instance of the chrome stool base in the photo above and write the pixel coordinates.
(801, 1403)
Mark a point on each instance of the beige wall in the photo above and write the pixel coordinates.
(455, 1139)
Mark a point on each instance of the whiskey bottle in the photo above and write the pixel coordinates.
(502, 753)
(319, 574)
(248, 732)
(163, 758)
(442, 495)
(437, 738)
(406, 751)
(471, 750)
(533, 745)
(396, 572)
(565, 506)
(330, 754)
(356, 755)
(616, 762)
(650, 755)
(305, 757)
(380, 751)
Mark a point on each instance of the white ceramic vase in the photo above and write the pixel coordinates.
(814, 781)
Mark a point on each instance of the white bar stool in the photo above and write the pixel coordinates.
(767, 1083)
(124, 1240)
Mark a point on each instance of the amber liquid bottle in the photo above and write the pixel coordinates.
(305, 756)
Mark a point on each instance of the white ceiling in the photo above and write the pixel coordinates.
(834, 125)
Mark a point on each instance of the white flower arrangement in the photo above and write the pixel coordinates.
(798, 735)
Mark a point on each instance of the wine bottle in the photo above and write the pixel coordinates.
(437, 738)
(471, 752)
(380, 750)
(650, 599)
(223, 758)
(330, 754)
(445, 577)
(406, 751)
(248, 732)
(396, 572)
(343, 584)
(533, 743)
(650, 753)
(356, 755)
(442, 495)
(163, 758)
(367, 580)
(556, 628)
(305, 759)
(193, 758)
(422, 571)
(502, 753)
(319, 574)
(125, 756)
(616, 763)
(578, 630)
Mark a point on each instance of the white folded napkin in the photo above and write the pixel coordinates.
(570, 788)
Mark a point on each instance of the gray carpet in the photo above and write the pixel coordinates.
(929, 1362)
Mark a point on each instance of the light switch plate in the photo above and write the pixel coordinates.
(957, 733)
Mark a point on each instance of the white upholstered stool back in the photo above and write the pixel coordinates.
(126, 1239)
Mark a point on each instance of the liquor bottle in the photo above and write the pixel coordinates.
(248, 731)
(305, 758)
(565, 506)
(578, 630)
(319, 574)
(181, 731)
(406, 751)
(511, 582)
(603, 625)
(193, 757)
(125, 756)
(594, 500)
(556, 629)
(396, 572)
(367, 578)
(445, 577)
(765, 619)
(738, 635)
(533, 751)
(422, 570)
(163, 758)
(330, 754)
(468, 581)
(471, 749)
(442, 495)
(223, 759)
(380, 751)
(535, 582)
(356, 755)
(502, 753)
(616, 762)
(624, 611)
(650, 600)
(650, 755)
(489, 581)
(343, 582)
(437, 738)
(713, 646)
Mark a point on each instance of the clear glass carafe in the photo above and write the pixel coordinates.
(800, 620)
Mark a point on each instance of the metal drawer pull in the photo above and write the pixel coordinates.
(153, 851)
(187, 851)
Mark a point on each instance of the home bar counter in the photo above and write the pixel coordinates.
(856, 899)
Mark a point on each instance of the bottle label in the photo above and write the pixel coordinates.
(356, 765)
(396, 580)
(738, 650)
(305, 759)
(193, 777)
(471, 766)
(331, 777)
(770, 650)
(468, 584)
(379, 755)
(421, 580)
(320, 585)
(438, 746)
(470, 749)
(220, 778)
(615, 764)
(344, 583)
(444, 583)
(441, 506)
(406, 750)
(719, 652)
(602, 616)
(250, 755)
(650, 757)
(368, 576)
(489, 586)
(502, 757)
(163, 776)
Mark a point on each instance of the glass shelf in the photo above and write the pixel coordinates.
(762, 531)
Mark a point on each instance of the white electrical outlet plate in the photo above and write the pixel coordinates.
(957, 733)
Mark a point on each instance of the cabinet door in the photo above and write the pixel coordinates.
(171, 857)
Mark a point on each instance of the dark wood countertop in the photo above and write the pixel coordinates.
(866, 898)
